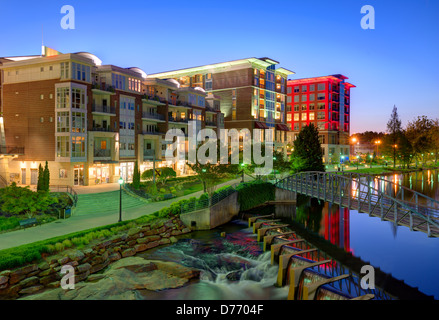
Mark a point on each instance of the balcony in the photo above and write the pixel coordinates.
(149, 116)
(155, 99)
(102, 153)
(179, 120)
(103, 129)
(152, 132)
(103, 89)
(211, 124)
(106, 110)
(148, 154)
(11, 150)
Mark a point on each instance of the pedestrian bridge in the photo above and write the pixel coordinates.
(369, 194)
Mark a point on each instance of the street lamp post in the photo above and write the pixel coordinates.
(120, 201)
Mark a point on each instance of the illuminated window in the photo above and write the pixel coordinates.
(296, 117)
(304, 117)
(311, 116)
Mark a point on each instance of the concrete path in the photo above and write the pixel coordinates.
(87, 219)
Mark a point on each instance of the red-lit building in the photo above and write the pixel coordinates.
(324, 102)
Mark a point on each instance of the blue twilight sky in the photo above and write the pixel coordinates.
(395, 64)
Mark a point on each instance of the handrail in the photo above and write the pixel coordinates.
(340, 188)
(68, 189)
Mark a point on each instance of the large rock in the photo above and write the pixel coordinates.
(122, 279)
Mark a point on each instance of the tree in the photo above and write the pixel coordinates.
(405, 149)
(434, 136)
(147, 175)
(211, 174)
(419, 134)
(136, 176)
(40, 183)
(46, 178)
(307, 154)
(394, 130)
(166, 173)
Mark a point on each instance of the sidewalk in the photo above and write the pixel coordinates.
(83, 222)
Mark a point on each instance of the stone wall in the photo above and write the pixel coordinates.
(35, 277)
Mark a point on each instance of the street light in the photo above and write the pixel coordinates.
(242, 165)
(120, 201)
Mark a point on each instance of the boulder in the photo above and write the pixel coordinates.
(31, 290)
(128, 252)
(76, 255)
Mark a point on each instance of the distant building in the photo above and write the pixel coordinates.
(252, 92)
(324, 102)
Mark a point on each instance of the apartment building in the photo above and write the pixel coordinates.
(324, 102)
(90, 121)
(252, 93)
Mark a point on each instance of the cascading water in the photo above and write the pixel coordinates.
(232, 267)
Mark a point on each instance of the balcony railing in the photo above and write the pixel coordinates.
(11, 150)
(155, 116)
(152, 132)
(103, 129)
(211, 123)
(182, 120)
(102, 153)
(154, 98)
(103, 109)
(148, 154)
(103, 87)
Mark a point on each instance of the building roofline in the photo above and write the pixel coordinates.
(263, 61)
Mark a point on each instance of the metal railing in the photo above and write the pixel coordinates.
(156, 116)
(66, 189)
(376, 196)
(103, 109)
(102, 153)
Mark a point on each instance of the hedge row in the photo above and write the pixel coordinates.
(254, 193)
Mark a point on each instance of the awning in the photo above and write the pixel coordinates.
(261, 125)
(282, 127)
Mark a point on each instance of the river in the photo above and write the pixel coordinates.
(407, 255)
(234, 267)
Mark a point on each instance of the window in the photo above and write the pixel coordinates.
(42, 97)
(289, 99)
(78, 98)
(289, 90)
(304, 116)
(78, 147)
(304, 107)
(63, 121)
(296, 117)
(311, 106)
(304, 88)
(321, 96)
(321, 106)
(65, 70)
(296, 127)
(304, 98)
(63, 146)
(311, 116)
(296, 89)
(80, 72)
(312, 87)
(296, 107)
(296, 99)
(321, 116)
(321, 86)
(312, 97)
(78, 122)
(289, 117)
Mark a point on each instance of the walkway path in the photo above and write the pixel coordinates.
(96, 209)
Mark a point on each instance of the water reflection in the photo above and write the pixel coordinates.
(383, 243)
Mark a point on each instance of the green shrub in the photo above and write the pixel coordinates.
(252, 194)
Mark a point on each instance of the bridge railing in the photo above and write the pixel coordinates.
(368, 189)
